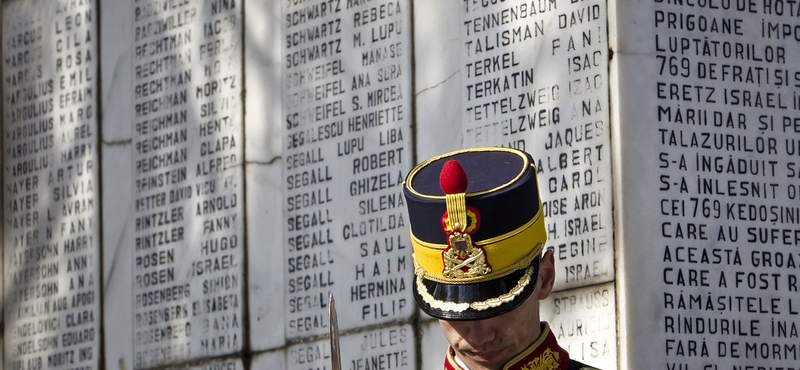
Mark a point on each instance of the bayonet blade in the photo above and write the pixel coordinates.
(336, 358)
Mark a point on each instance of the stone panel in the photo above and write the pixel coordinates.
(584, 323)
(265, 278)
(51, 185)
(433, 347)
(535, 78)
(708, 139)
(264, 173)
(188, 228)
(347, 147)
(116, 82)
(269, 360)
(437, 80)
(390, 347)
(218, 364)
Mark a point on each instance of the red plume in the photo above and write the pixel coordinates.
(453, 179)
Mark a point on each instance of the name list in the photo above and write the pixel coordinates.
(188, 220)
(584, 322)
(51, 208)
(536, 76)
(347, 150)
(385, 348)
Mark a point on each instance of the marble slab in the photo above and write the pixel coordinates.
(433, 345)
(584, 323)
(386, 347)
(117, 257)
(269, 360)
(217, 364)
(188, 153)
(708, 147)
(347, 147)
(264, 174)
(263, 43)
(438, 79)
(117, 150)
(265, 282)
(534, 76)
(51, 210)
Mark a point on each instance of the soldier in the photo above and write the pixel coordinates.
(478, 234)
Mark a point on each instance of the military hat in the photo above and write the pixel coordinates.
(477, 231)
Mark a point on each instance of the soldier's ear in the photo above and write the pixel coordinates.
(547, 274)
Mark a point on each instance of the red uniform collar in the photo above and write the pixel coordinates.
(543, 354)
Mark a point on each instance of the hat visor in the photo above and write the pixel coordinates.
(479, 300)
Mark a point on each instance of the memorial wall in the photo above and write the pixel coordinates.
(709, 183)
(187, 146)
(51, 182)
(535, 77)
(347, 112)
(186, 182)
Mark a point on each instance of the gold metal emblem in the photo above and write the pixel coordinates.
(548, 360)
(462, 258)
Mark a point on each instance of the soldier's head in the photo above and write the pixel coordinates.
(478, 233)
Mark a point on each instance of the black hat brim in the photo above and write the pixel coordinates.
(477, 292)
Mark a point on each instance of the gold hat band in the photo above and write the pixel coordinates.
(505, 254)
